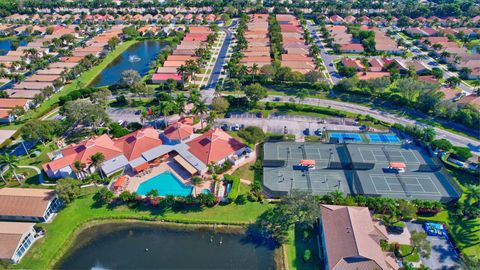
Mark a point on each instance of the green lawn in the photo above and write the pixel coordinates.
(406, 249)
(85, 79)
(49, 249)
(295, 248)
(245, 172)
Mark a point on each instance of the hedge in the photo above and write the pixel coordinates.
(304, 108)
(235, 182)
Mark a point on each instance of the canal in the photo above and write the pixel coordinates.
(154, 246)
(137, 57)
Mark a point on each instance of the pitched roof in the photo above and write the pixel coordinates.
(214, 146)
(351, 239)
(26, 202)
(9, 103)
(83, 151)
(133, 145)
(178, 131)
(10, 236)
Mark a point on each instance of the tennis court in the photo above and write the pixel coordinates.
(354, 168)
(345, 137)
(383, 138)
(409, 185)
(384, 154)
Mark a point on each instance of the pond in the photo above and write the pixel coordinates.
(155, 246)
(137, 57)
(6, 45)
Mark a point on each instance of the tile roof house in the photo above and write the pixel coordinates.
(120, 154)
(352, 48)
(473, 100)
(215, 146)
(350, 62)
(28, 204)
(177, 133)
(351, 239)
(372, 75)
(16, 238)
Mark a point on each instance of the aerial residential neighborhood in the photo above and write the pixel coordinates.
(329, 135)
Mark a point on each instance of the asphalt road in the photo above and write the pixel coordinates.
(217, 68)
(327, 58)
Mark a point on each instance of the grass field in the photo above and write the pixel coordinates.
(59, 233)
(295, 248)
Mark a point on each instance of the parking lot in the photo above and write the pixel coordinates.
(292, 124)
(443, 256)
(129, 115)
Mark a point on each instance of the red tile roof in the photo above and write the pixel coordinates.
(214, 146)
(138, 142)
(178, 131)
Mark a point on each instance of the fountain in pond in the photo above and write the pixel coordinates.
(134, 59)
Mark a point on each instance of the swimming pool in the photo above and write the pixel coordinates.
(166, 184)
(347, 137)
(384, 138)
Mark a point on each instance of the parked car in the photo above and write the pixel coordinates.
(277, 99)
(395, 229)
(306, 132)
(224, 127)
(235, 127)
(258, 115)
(228, 115)
(318, 132)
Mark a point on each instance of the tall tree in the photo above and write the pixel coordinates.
(12, 163)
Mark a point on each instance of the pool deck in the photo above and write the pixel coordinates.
(136, 180)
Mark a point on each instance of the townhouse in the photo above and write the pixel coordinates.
(297, 56)
(258, 42)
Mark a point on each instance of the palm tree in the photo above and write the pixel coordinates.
(254, 71)
(166, 107)
(31, 53)
(196, 181)
(12, 163)
(212, 115)
(97, 161)
(199, 108)
(79, 167)
(473, 195)
(182, 70)
(180, 101)
(195, 96)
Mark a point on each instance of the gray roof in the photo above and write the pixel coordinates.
(157, 152)
(182, 150)
(114, 164)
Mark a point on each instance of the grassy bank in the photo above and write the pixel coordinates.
(85, 79)
(69, 221)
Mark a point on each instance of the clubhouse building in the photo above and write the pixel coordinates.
(134, 152)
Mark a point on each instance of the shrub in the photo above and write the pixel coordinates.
(241, 199)
(307, 255)
(461, 153)
(225, 167)
(252, 135)
(235, 182)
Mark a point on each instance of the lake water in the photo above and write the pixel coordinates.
(145, 52)
(153, 246)
(6, 45)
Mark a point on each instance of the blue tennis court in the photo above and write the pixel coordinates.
(383, 138)
(346, 137)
